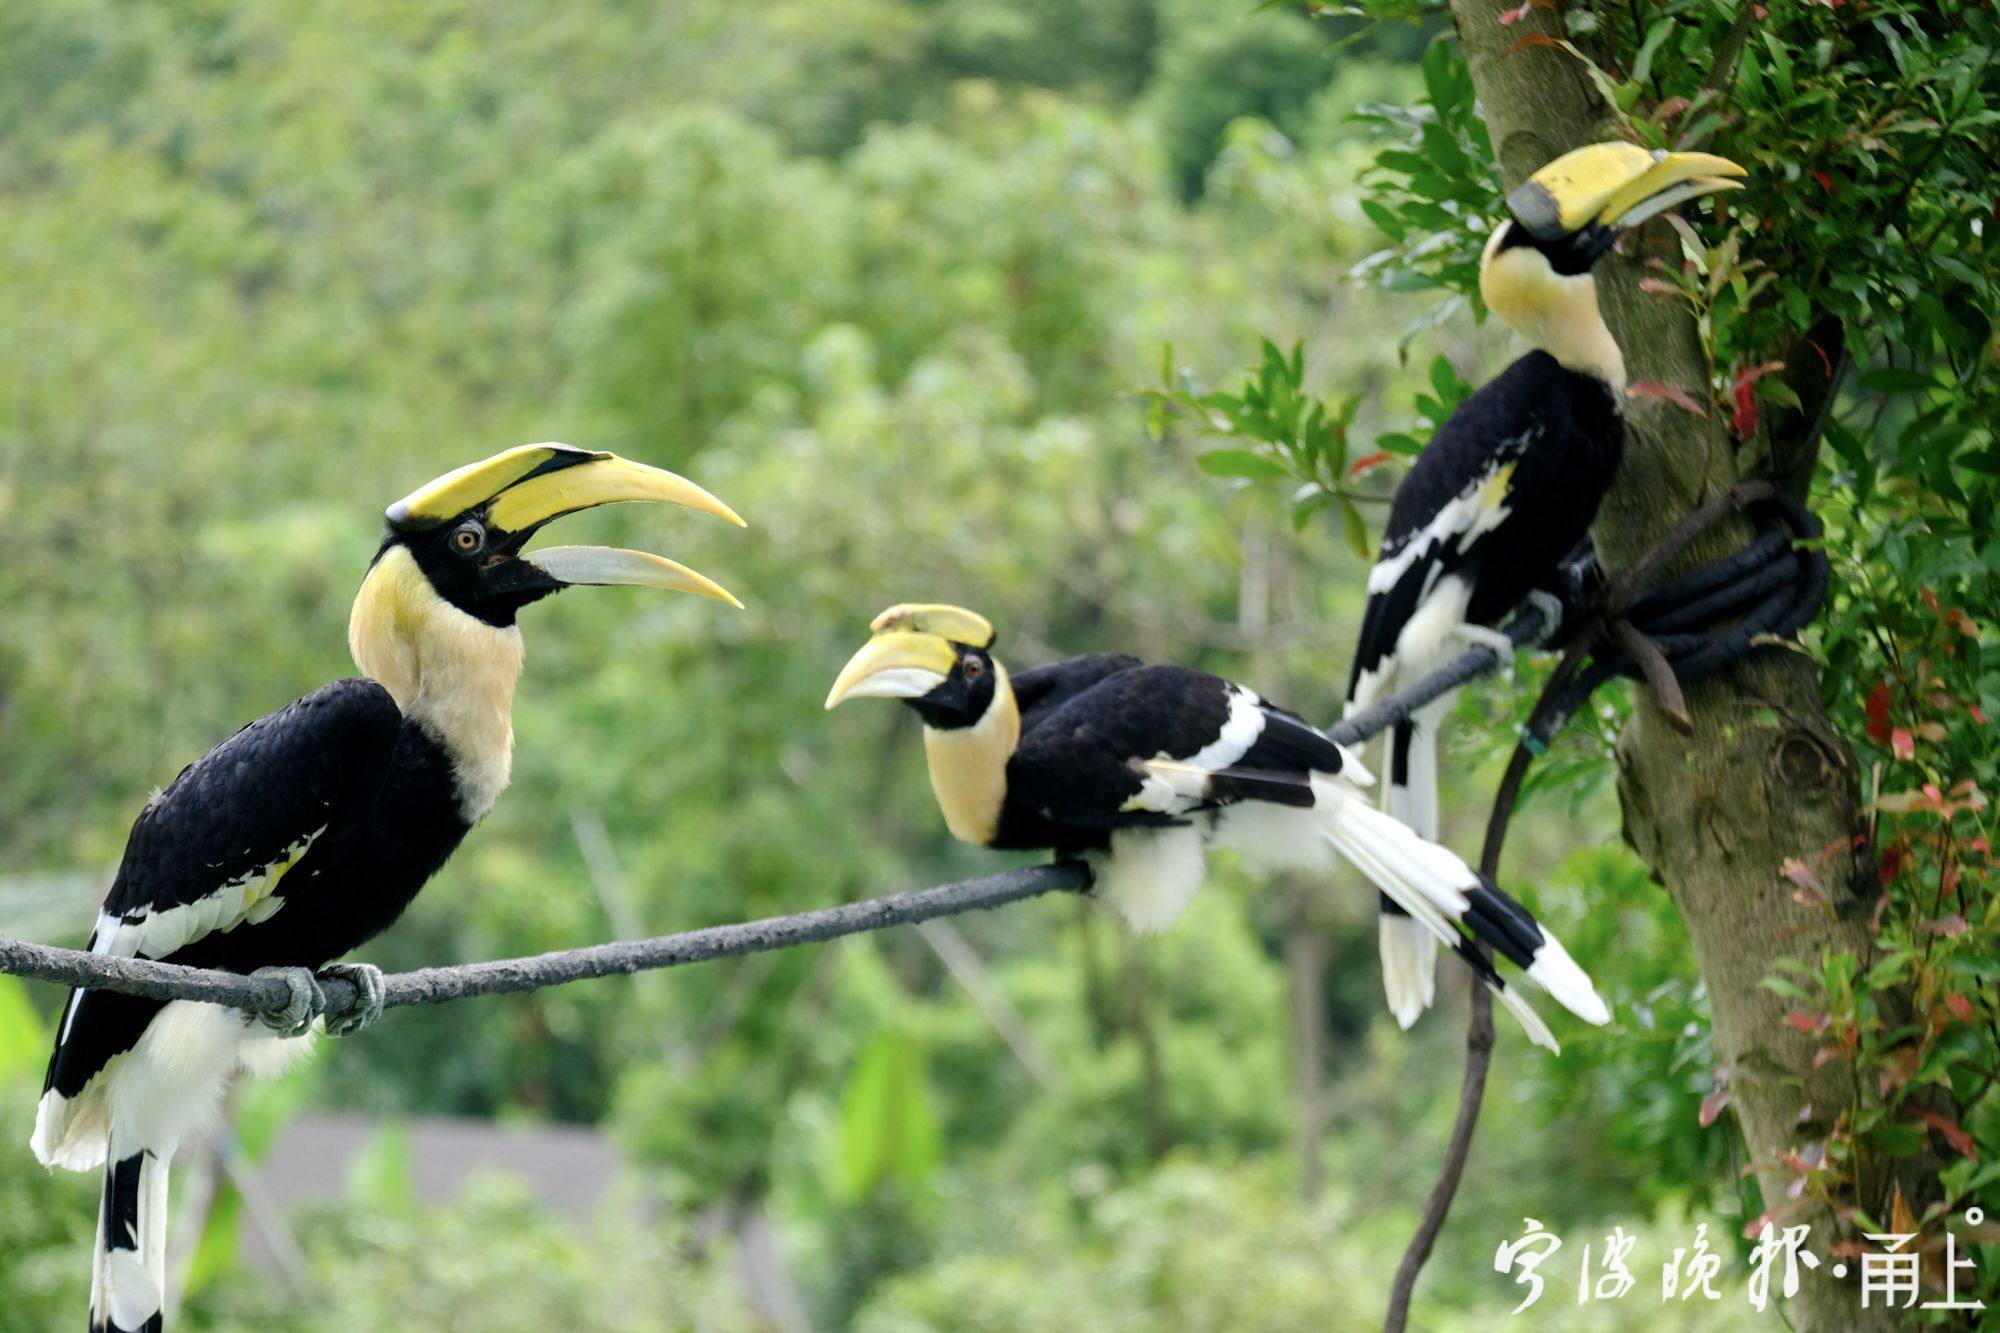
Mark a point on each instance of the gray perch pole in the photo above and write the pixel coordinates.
(436, 985)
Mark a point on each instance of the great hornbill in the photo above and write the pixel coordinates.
(1508, 486)
(310, 830)
(1140, 769)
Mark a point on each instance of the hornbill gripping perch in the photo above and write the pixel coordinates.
(310, 830)
(1509, 484)
(1140, 769)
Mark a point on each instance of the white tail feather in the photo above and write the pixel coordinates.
(1430, 882)
(1557, 973)
(1538, 1031)
(1392, 857)
(1409, 967)
(129, 1272)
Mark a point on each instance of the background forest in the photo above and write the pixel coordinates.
(895, 278)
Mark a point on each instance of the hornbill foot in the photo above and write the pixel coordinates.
(1551, 609)
(1483, 636)
(1089, 871)
(307, 1001)
(366, 979)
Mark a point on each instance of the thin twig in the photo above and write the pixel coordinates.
(1659, 676)
(1479, 1016)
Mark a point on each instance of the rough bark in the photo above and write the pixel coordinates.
(1714, 814)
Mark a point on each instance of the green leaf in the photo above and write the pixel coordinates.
(1356, 528)
(378, 1176)
(1658, 33)
(216, 1248)
(1439, 84)
(24, 1043)
(1240, 463)
(888, 1129)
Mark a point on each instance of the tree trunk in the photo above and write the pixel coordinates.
(1717, 813)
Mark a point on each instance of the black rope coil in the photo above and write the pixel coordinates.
(1707, 619)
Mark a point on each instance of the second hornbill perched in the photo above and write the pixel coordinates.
(311, 829)
(1508, 486)
(1141, 769)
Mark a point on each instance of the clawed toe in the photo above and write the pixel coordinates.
(1551, 609)
(367, 1007)
(1483, 636)
(306, 1003)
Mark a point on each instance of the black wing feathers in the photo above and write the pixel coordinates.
(1524, 416)
(1040, 690)
(239, 807)
(1077, 765)
(229, 814)
(1288, 741)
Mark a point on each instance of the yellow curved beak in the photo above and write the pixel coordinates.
(894, 664)
(1615, 185)
(527, 486)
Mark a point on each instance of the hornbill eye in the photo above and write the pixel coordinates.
(973, 668)
(468, 538)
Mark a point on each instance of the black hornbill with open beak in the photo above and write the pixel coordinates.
(1509, 484)
(1140, 769)
(311, 829)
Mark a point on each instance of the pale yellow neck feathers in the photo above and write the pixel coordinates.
(1556, 313)
(452, 673)
(969, 765)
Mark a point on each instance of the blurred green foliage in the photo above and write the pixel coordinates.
(888, 276)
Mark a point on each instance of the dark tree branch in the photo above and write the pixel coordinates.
(1479, 1017)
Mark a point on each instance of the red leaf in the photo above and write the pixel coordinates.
(1954, 1133)
(1961, 1008)
(1947, 926)
(1978, 715)
(1878, 713)
(1744, 419)
(1892, 864)
(1824, 360)
(1804, 1022)
(1930, 597)
(1670, 108)
(1674, 394)
(1824, 178)
(1367, 463)
(1512, 16)
(1711, 1106)
(1901, 744)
